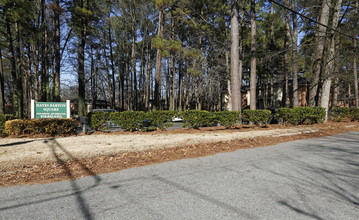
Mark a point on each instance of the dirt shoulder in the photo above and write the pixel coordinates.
(42, 160)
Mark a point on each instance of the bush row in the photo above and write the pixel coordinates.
(300, 115)
(131, 120)
(3, 119)
(339, 113)
(137, 120)
(40, 126)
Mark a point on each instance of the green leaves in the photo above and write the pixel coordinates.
(301, 115)
(40, 126)
(132, 120)
(339, 113)
(163, 3)
(257, 117)
(197, 118)
(3, 119)
(166, 46)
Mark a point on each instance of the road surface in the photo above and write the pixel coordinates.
(305, 179)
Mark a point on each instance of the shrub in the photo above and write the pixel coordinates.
(3, 119)
(283, 115)
(301, 115)
(339, 113)
(40, 126)
(130, 120)
(354, 114)
(96, 119)
(257, 117)
(161, 119)
(197, 118)
(228, 118)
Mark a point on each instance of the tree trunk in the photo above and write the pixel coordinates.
(45, 93)
(180, 87)
(286, 101)
(2, 89)
(93, 79)
(158, 74)
(235, 80)
(241, 55)
(35, 52)
(19, 76)
(12, 63)
(81, 65)
(134, 73)
(148, 79)
(329, 68)
(335, 93)
(229, 87)
(108, 76)
(27, 84)
(57, 86)
(355, 73)
(295, 58)
(121, 87)
(319, 48)
(253, 71)
(172, 67)
(113, 97)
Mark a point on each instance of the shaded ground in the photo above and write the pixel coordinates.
(31, 160)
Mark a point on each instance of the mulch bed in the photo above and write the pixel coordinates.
(70, 170)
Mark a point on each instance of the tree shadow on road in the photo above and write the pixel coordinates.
(212, 200)
(85, 209)
(332, 170)
(58, 151)
(15, 143)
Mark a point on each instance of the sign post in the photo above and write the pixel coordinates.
(50, 109)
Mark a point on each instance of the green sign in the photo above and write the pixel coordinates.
(50, 110)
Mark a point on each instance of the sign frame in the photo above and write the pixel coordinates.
(51, 108)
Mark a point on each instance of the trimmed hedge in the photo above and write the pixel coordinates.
(257, 117)
(198, 118)
(96, 119)
(144, 121)
(354, 114)
(40, 126)
(228, 118)
(161, 119)
(301, 115)
(3, 119)
(339, 113)
(132, 120)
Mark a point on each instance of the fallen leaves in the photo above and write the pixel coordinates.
(71, 169)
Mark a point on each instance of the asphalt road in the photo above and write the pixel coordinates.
(306, 179)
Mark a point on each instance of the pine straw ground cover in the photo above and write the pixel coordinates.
(66, 164)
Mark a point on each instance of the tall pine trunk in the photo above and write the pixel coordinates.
(2, 89)
(319, 48)
(295, 58)
(158, 74)
(355, 74)
(286, 100)
(19, 77)
(44, 89)
(57, 12)
(172, 68)
(329, 68)
(253, 71)
(81, 64)
(235, 79)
